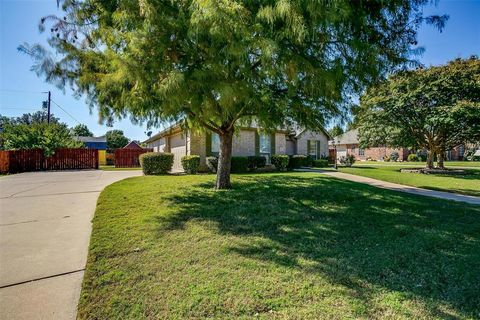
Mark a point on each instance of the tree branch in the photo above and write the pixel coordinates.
(206, 124)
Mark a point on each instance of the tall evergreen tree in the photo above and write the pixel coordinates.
(217, 63)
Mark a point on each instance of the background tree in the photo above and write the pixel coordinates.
(30, 118)
(26, 118)
(336, 131)
(218, 63)
(48, 137)
(352, 122)
(81, 130)
(436, 109)
(115, 140)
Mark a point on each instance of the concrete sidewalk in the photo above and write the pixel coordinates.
(398, 187)
(45, 225)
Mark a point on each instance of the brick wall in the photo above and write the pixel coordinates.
(244, 143)
(198, 146)
(309, 135)
(280, 143)
(376, 153)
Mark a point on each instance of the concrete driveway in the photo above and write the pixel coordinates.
(45, 225)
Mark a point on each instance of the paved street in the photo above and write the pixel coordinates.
(45, 225)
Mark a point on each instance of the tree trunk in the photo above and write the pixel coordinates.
(440, 158)
(224, 160)
(430, 155)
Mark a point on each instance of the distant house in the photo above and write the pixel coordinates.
(99, 143)
(247, 141)
(132, 145)
(348, 144)
(457, 153)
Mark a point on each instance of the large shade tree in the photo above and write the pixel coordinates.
(217, 63)
(436, 109)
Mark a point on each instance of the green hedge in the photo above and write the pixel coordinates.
(156, 162)
(280, 161)
(320, 163)
(308, 161)
(255, 162)
(296, 161)
(239, 164)
(191, 163)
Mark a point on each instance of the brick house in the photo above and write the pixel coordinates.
(247, 141)
(456, 154)
(348, 144)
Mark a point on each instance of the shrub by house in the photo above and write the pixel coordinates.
(191, 163)
(280, 161)
(154, 163)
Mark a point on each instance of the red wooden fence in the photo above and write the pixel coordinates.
(3, 161)
(128, 158)
(68, 159)
(14, 161)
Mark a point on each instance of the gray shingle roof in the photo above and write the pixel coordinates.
(91, 139)
(349, 137)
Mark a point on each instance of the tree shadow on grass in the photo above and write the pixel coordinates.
(349, 234)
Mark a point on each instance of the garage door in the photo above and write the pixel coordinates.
(341, 152)
(178, 148)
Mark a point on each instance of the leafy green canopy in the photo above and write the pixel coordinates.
(115, 139)
(336, 131)
(29, 118)
(437, 108)
(81, 130)
(217, 61)
(48, 137)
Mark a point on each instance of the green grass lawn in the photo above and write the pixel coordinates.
(112, 168)
(278, 246)
(467, 164)
(468, 183)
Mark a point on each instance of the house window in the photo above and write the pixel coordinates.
(353, 149)
(313, 149)
(215, 143)
(265, 146)
(264, 143)
(361, 151)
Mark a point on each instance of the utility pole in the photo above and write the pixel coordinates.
(48, 106)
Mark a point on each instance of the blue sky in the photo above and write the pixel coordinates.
(21, 90)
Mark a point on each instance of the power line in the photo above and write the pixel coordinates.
(66, 112)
